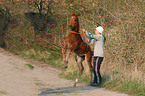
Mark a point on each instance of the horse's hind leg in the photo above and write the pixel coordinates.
(81, 68)
(89, 62)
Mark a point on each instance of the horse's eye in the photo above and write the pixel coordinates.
(75, 20)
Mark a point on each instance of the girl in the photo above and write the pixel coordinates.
(98, 41)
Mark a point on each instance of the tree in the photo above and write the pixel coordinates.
(41, 13)
(41, 5)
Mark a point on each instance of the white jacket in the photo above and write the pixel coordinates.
(98, 41)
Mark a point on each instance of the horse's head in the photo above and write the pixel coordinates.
(74, 22)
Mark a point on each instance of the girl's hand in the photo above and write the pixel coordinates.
(83, 30)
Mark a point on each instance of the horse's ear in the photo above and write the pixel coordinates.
(78, 14)
(72, 14)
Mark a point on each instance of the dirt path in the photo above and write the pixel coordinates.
(17, 79)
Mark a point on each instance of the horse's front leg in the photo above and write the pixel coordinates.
(63, 53)
(67, 57)
(79, 61)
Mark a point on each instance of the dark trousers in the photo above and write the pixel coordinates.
(96, 68)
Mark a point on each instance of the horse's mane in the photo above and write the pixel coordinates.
(73, 14)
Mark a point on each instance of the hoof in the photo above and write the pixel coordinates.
(65, 66)
(74, 85)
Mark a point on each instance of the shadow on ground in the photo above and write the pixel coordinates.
(66, 89)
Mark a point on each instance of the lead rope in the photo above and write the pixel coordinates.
(90, 37)
(85, 40)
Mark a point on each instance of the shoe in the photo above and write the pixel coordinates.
(94, 84)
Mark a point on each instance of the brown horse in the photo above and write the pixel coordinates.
(74, 43)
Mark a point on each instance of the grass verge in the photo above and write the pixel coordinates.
(43, 56)
(30, 66)
(3, 92)
(125, 85)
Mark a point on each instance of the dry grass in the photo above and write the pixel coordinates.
(124, 30)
